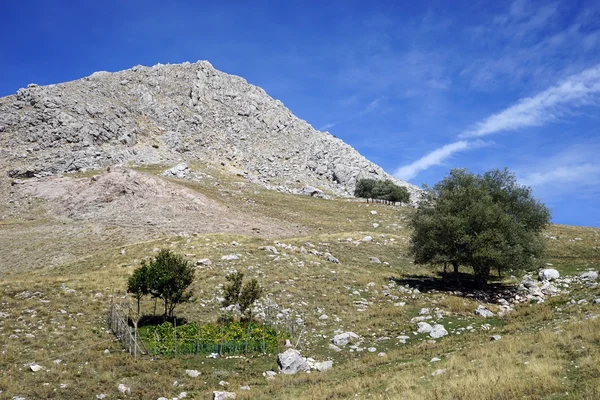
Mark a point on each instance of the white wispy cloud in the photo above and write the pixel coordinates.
(547, 106)
(328, 126)
(436, 157)
(586, 172)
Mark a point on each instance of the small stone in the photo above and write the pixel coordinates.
(123, 389)
(371, 349)
(101, 396)
(246, 387)
(438, 331)
(382, 354)
(36, 367)
(323, 317)
(589, 276)
(192, 373)
(435, 359)
(323, 366)
(223, 395)
(334, 348)
(483, 311)
(367, 239)
(424, 327)
(438, 372)
(548, 274)
(204, 262)
(270, 374)
(495, 337)
(375, 260)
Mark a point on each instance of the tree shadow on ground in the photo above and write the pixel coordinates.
(450, 282)
(154, 320)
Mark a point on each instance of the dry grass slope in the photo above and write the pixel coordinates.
(60, 276)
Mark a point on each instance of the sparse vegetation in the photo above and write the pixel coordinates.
(547, 351)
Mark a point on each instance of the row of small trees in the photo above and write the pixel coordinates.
(386, 191)
(481, 221)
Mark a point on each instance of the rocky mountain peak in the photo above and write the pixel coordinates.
(170, 113)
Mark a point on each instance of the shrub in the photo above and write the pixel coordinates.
(241, 296)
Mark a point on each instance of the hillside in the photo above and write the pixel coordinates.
(170, 113)
(66, 254)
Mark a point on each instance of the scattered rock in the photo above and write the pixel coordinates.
(344, 338)
(334, 348)
(291, 362)
(223, 395)
(548, 274)
(374, 260)
(245, 387)
(270, 249)
(179, 171)
(332, 259)
(424, 327)
(35, 367)
(123, 389)
(367, 239)
(483, 311)
(192, 373)
(438, 331)
(589, 276)
(231, 257)
(314, 192)
(495, 337)
(438, 372)
(270, 374)
(435, 359)
(323, 366)
(204, 261)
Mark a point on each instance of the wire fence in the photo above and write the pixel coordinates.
(118, 320)
(274, 332)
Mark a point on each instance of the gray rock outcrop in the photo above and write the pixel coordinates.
(291, 362)
(167, 114)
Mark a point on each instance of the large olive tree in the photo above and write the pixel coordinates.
(481, 221)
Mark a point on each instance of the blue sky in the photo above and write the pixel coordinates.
(417, 87)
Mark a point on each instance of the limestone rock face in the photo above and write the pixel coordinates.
(168, 114)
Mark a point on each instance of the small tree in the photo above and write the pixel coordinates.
(241, 296)
(481, 221)
(233, 289)
(251, 292)
(138, 284)
(169, 276)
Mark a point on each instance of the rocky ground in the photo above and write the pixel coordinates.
(373, 324)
